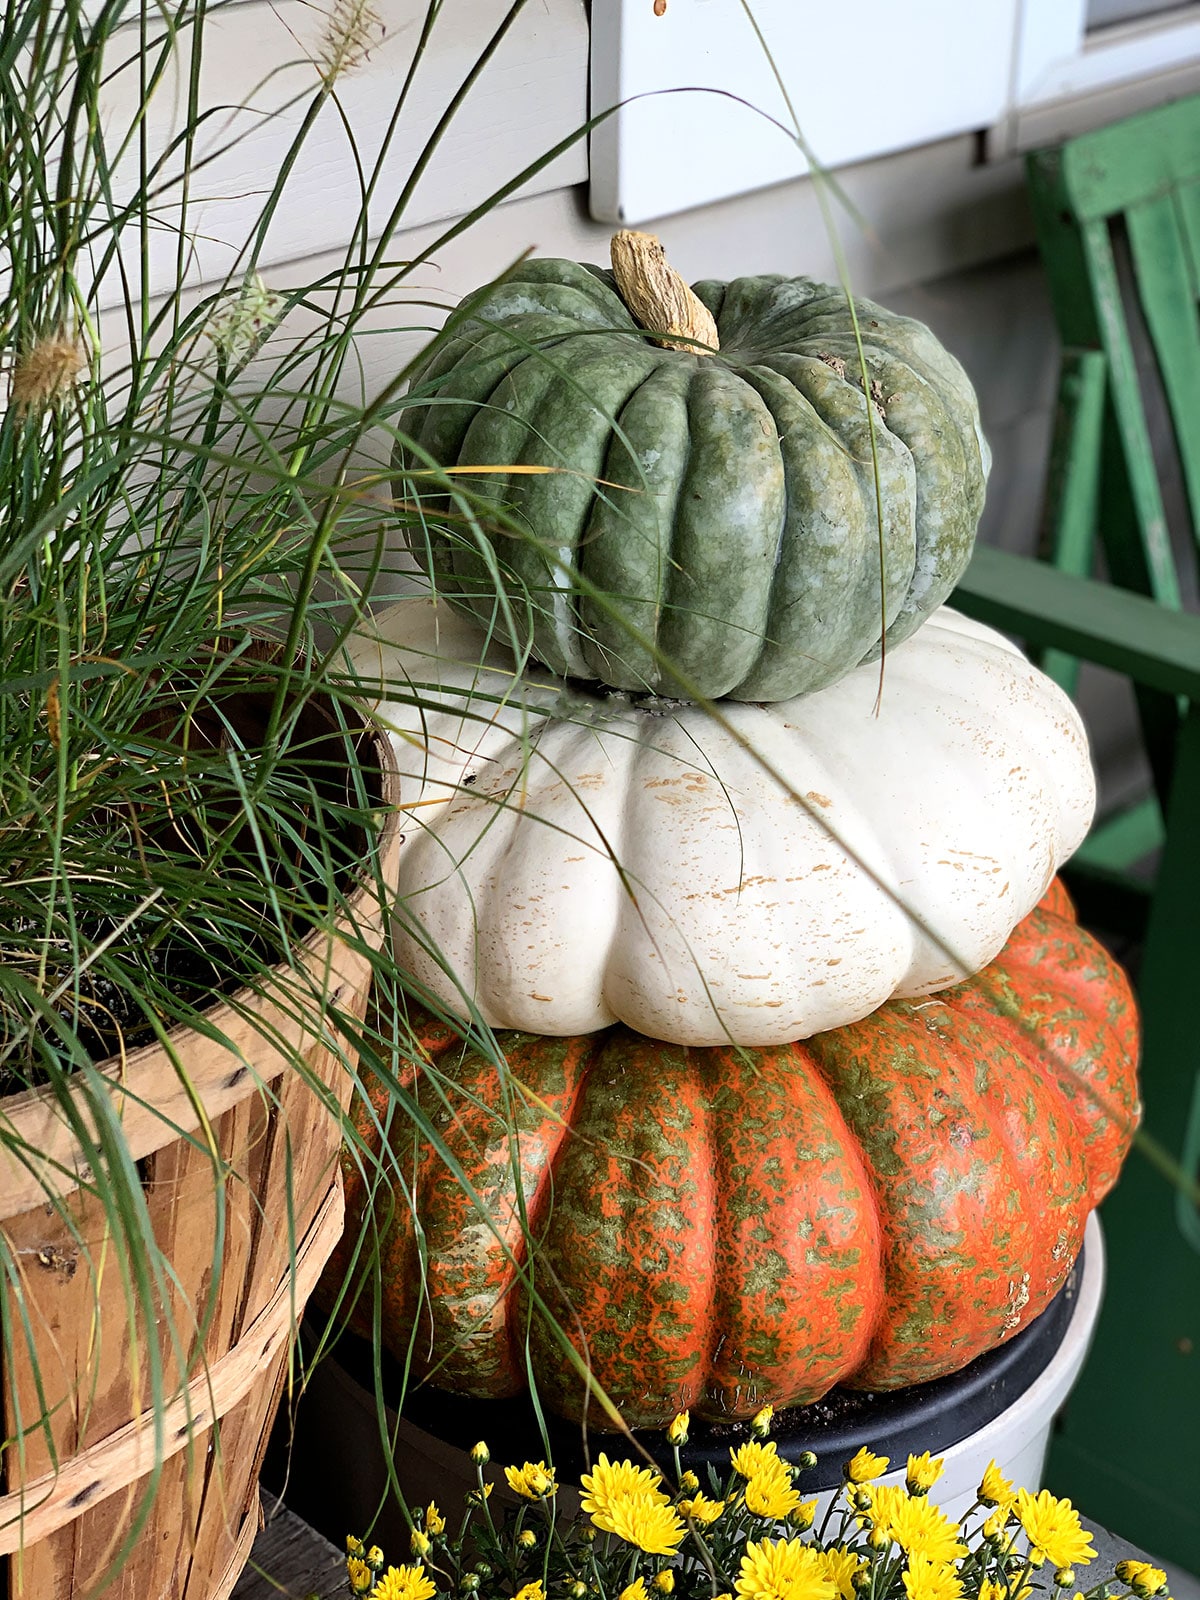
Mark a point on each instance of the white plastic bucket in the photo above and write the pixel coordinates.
(1019, 1437)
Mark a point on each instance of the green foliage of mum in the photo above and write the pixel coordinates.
(724, 510)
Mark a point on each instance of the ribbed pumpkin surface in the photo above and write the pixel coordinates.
(717, 1228)
(726, 505)
(575, 861)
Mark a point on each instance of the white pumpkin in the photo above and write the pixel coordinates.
(576, 860)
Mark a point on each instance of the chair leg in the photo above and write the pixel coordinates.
(1126, 1450)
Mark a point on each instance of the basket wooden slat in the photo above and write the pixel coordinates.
(266, 1141)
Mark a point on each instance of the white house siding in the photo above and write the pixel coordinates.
(937, 232)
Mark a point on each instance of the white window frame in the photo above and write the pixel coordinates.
(1067, 79)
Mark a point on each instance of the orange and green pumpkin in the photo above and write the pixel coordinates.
(719, 1228)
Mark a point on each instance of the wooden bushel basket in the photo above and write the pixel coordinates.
(66, 1508)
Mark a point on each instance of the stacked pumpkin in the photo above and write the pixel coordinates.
(754, 1157)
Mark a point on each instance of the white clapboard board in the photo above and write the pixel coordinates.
(702, 114)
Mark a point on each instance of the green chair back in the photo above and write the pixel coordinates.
(1118, 222)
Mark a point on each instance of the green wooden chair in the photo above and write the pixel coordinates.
(1118, 219)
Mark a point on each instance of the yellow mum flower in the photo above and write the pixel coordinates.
(405, 1583)
(1000, 1591)
(701, 1509)
(634, 1591)
(864, 1466)
(841, 1566)
(931, 1580)
(1141, 1577)
(677, 1433)
(648, 1523)
(771, 1494)
(360, 1575)
(535, 1480)
(923, 1529)
(883, 1503)
(994, 1488)
(534, 1591)
(753, 1460)
(1004, 1591)
(435, 1522)
(783, 1569)
(1053, 1530)
(923, 1473)
(611, 1482)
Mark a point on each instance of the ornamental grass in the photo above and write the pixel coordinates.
(753, 1535)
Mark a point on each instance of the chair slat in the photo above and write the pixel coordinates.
(1187, 204)
(1166, 289)
(1108, 170)
(1155, 558)
(1128, 633)
(1073, 483)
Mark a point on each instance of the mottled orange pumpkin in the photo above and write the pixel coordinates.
(715, 1228)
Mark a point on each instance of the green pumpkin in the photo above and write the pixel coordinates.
(724, 504)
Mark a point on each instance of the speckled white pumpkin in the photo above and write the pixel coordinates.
(576, 860)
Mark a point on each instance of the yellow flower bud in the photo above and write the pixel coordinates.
(435, 1522)
(689, 1482)
(995, 1526)
(994, 1488)
(802, 1517)
(527, 1538)
(760, 1424)
(677, 1433)
(1142, 1578)
(480, 1454)
(923, 1473)
(375, 1558)
(419, 1543)
(864, 1466)
(664, 1581)
(1065, 1577)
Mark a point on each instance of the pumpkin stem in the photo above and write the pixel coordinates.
(658, 297)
